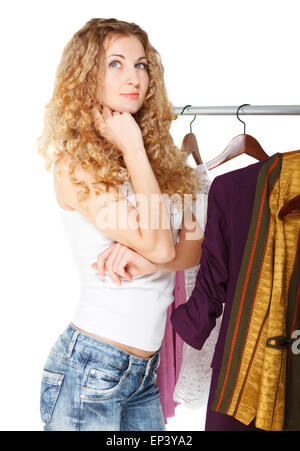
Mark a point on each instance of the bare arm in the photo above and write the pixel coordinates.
(108, 215)
(188, 254)
(189, 248)
(149, 211)
(121, 261)
(117, 218)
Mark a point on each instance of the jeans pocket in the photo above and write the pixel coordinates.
(50, 389)
(102, 383)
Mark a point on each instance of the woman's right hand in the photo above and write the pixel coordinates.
(120, 129)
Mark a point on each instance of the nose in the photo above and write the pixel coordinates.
(132, 76)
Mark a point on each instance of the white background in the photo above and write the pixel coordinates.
(214, 53)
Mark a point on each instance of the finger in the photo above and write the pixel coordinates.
(114, 259)
(117, 261)
(95, 266)
(121, 271)
(115, 277)
(108, 249)
(127, 275)
(121, 262)
(101, 260)
(112, 274)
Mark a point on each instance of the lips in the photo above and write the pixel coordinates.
(131, 94)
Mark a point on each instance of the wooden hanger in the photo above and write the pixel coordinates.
(291, 208)
(240, 144)
(189, 143)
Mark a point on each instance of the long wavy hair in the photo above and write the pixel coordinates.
(68, 121)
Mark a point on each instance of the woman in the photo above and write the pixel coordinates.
(107, 122)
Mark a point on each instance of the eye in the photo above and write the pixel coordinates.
(115, 61)
(144, 64)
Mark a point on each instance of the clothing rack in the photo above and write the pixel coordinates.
(232, 110)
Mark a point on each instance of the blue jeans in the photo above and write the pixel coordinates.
(91, 385)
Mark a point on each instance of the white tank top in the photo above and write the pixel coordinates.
(134, 313)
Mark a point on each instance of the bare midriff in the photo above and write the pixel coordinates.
(134, 351)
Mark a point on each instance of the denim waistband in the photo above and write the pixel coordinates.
(99, 349)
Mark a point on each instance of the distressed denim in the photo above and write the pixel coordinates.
(90, 385)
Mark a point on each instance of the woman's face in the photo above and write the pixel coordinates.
(125, 72)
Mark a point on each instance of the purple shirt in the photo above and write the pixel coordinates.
(230, 203)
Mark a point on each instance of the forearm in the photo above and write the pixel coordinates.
(186, 257)
(153, 216)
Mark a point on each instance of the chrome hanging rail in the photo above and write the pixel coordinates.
(231, 110)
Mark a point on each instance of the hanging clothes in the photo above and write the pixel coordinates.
(173, 345)
(252, 380)
(230, 206)
(192, 387)
(170, 353)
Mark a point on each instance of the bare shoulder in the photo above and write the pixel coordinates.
(63, 187)
(65, 190)
(62, 166)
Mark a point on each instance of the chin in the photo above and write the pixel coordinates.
(125, 107)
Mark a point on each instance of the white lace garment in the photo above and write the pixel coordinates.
(192, 387)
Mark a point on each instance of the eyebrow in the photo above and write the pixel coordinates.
(122, 56)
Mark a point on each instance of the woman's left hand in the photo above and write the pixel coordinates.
(121, 261)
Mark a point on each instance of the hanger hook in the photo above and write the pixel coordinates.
(191, 124)
(186, 106)
(192, 120)
(237, 115)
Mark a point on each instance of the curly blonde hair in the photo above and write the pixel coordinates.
(68, 121)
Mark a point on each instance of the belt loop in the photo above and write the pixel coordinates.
(129, 365)
(158, 361)
(72, 343)
(149, 364)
